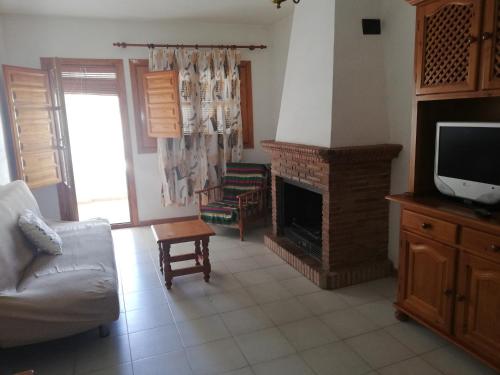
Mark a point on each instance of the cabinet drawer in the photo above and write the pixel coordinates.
(429, 226)
(480, 241)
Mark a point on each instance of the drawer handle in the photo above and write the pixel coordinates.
(460, 298)
(426, 226)
(471, 40)
(495, 248)
(448, 292)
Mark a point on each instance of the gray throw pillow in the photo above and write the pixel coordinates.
(39, 233)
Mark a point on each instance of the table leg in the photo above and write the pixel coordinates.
(160, 256)
(167, 265)
(206, 261)
(197, 251)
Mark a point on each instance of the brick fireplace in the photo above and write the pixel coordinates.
(330, 218)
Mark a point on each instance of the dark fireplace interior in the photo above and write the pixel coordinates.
(300, 213)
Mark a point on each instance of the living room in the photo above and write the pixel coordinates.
(249, 187)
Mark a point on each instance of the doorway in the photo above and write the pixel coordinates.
(98, 155)
(97, 141)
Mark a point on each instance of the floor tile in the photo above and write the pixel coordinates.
(293, 365)
(241, 264)
(155, 341)
(200, 331)
(140, 283)
(268, 260)
(174, 363)
(283, 272)
(246, 320)
(221, 283)
(412, 366)
(119, 327)
(242, 371)
(386, 287)
(348, 323)
(322, 302)
(216, 357)
(125, 369)
(232, 300)
(308, 333)
(264, 345)
(359, 294)
(146, 299)
(418, 338)
(192, 308)
(186, 288)
(379, 312)
(141, 319)
(102, 353)
(379, 348)
(299, 285)
(253, 277)
(451, 360)
(337, 358)
(285, 311)
(268, 292)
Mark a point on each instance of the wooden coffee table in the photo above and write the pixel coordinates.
(179, 232)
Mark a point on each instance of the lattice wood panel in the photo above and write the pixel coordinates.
(496, 68)
(446, 53)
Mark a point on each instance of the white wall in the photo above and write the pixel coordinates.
(4, 162)
(359, 110)
(27, 38)
(398, 30)
(306, 106)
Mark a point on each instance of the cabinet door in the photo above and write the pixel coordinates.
(427, 271)
(447, 53)
(478, 305)
(491, 45)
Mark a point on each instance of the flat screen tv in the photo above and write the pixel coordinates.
(467, 162)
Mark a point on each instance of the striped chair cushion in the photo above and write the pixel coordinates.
(243, 177)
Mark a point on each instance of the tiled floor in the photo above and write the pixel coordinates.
(256, 316)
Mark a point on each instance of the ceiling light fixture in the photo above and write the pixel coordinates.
(278, 2)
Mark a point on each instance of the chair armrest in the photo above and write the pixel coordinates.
(208, 189)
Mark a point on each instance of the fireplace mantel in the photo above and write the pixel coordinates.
(337, 154)
(353, 182)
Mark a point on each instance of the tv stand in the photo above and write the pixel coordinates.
(449, 272)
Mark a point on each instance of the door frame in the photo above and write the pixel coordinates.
(67, 197)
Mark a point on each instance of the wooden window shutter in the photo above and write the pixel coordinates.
(34, 135)
(145, 144)
(245, 70)
(161, 98)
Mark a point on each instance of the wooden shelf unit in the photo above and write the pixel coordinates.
(449, 261)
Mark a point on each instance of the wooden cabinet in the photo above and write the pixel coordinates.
(427, 273)
(457, 46)
(491, 46)
(478, 305)
(449, 273)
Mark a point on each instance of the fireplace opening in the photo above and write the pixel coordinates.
(301, 214)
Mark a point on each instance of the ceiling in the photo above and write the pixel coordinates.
(259, 12)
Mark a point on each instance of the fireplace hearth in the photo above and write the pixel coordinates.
(330, 218)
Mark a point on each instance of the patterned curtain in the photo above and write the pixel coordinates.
(209, 88)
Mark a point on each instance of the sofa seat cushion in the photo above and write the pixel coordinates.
(65, 294)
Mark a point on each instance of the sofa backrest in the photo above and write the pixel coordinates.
(15, 251)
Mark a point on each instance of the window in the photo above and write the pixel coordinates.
(146, 144)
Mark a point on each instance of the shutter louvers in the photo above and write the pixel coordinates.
(32, 123)
(161, 96)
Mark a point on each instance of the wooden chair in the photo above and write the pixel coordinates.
(239, 200)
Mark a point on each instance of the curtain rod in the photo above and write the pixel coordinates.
(153, 45)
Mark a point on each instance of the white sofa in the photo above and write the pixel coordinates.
(45, 297)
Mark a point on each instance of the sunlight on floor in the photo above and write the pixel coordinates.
(116, 211)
